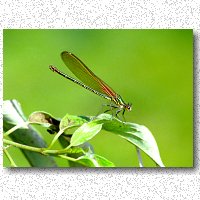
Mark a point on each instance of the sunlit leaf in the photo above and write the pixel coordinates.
(136, 134)
(94, 160)
(85, 133)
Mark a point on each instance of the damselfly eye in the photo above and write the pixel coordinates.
(129, 107)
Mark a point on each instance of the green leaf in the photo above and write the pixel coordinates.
(46, 120)
(43, 118)
(86, 132)
(136, 134)
(69, 121)
(103, 162)
(27, 135)
(94, 160)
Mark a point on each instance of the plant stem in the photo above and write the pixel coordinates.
(55, 138)
(9, 157)
(68, 158)
(34, 149)
(139, 157)
(22, 146)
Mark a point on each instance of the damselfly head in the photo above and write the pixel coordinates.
(128, 107)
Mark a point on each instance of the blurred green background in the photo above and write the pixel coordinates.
(152, 69)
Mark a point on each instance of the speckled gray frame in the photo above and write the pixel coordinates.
(120, 183)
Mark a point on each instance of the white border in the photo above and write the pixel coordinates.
(101, 183)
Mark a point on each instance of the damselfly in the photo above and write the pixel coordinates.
(91, 82)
